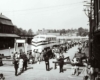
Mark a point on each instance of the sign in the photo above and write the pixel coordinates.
(20, 41)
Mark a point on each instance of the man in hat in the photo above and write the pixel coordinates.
(61, 63)
(46, 58)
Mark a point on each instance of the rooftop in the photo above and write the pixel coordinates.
(5, 20)
(4, 17)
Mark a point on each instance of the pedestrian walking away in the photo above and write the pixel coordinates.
(61, 63)
(47, 62)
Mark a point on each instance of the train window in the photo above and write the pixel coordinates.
(42, 37)
(51, 38)
(47, 39)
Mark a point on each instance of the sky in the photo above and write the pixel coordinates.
(47, 14)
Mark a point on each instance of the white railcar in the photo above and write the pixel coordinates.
(40, 42)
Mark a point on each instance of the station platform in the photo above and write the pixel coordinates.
(38, 71)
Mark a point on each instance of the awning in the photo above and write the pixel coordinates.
(8, 35)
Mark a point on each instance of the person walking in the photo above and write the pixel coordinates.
(25, 59)
(15, 59)
(61, 63)
(47, 62)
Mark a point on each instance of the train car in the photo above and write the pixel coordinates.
(40, 42)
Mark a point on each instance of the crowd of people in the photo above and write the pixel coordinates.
(80, 59)
(21, 60)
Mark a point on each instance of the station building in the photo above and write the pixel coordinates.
(7, 35)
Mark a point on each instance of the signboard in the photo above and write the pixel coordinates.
(20, 41)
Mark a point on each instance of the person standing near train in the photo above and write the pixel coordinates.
(24, 57)
(46, 59)
(61, 63)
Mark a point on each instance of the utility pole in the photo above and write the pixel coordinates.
(89, 15)
(90, 33)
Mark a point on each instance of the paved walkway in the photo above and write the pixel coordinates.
(38, 71)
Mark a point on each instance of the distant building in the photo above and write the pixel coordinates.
(7, 35)
(53, 32)
(46, 32)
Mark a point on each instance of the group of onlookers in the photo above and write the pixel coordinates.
(20, 62)
(81, 59)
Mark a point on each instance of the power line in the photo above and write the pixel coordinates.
(58, 11)
(43, 7)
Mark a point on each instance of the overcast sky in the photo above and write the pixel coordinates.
(48, 14)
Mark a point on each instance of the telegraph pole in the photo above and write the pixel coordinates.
(89, 15)
(90, 33)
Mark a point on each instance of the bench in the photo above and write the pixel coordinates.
(68, 62)
(55, 63)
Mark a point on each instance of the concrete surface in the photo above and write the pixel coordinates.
(38, 71)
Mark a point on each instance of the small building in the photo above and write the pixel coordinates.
(7, 35)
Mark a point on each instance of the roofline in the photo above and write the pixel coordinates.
(5, 19)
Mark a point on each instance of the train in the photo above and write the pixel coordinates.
(44, 42)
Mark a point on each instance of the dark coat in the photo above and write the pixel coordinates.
(24, 57)
(46, 59)
(61, 61)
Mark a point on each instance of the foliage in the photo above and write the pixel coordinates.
(20, 31)
(82, 32)
(30, 32)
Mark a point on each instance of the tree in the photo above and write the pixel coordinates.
(24, 32)
(16, 30)
(30, 32)
(20, 31)
(82, 32)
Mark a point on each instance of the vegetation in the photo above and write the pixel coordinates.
(20, 31)
(80, 31)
